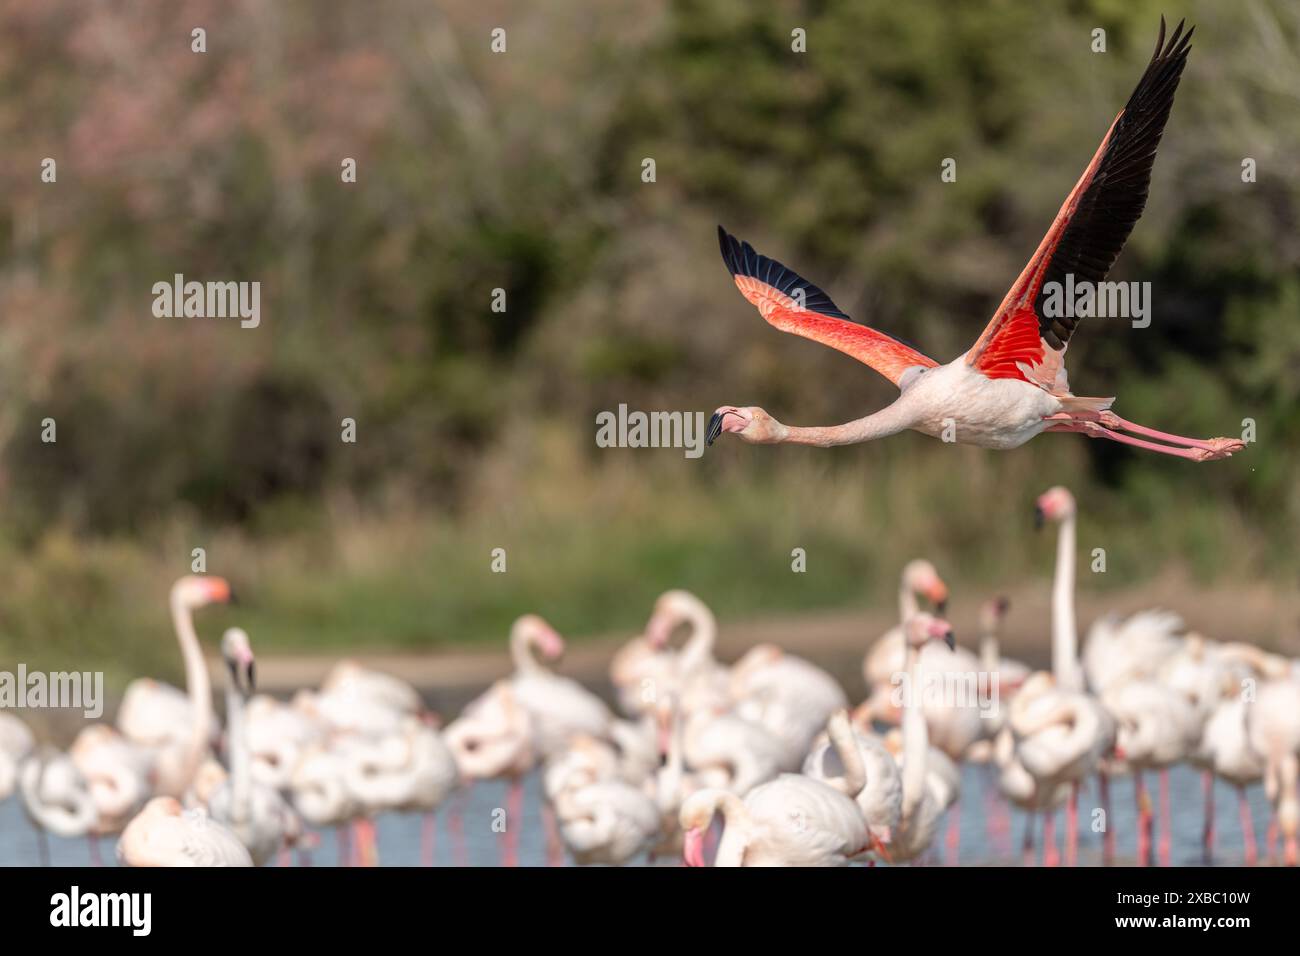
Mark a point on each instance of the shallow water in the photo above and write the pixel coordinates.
(399, 836)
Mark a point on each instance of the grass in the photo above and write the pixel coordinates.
(589, 543)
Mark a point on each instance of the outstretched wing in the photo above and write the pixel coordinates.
(793, 304)
(1090, 230)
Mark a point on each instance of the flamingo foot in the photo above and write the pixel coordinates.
(1209, 450)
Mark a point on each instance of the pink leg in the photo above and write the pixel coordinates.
(954, 834)
(95, 858)
(1144, 819)
(1166, 820)
(1027, 842)
(514, 820)
(1247, 827)
(1051, 855)
(995, 812)
(428, 838)
(1270, 837)
(1094, 430)
(1107, 835)
(554, 845)
(1220, 447)
(1207, 831)
(285, 859)
(1072, 828)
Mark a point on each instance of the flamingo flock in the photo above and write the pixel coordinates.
(759, 762)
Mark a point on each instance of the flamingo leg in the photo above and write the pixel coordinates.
(1270, 837)
(554, 845)
(43, 846)
(954, 835)
(1207, 831)
(1072, 827)
(1108, 834)
(1219, 447)
(1247, 828)
(285, 857)
(996, 815)
(1166, 819)
(1051, 855)
(1144, 819)
(428, 838)
(1096, 430)
(514, 818)
(1027, 842)
(92, 841)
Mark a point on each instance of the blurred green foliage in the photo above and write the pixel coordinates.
(522, 171)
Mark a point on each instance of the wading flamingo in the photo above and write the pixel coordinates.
(790, 821)
(166, 835)
(1011, 384)
(255, 813)
(119, 777)
(1274, 732)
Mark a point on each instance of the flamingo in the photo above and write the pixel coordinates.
(786, 695)
(1011, 384)
(177, 756)
(606, 820)
(793, 820)
(884, 658)
(119, 776)
(164, 834)
(254, 812)
(1273, 727)
(1225, 744)
(55, 796)
(692, 673)
(881, 797)
(16, 743)
(278, 734)
(319, 790)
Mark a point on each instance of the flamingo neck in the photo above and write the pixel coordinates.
(846, 745)
(908, 605)
(1065, 654)
(698, 650)
(521, 652)
(890, 420)
(199, 688)
(916, 739)
(240, 765)
(990, 651)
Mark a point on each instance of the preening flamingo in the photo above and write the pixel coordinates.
(55, 796)
(1011, 384)
(164, 834)
(881, 797)
(119, 776)
(793, 820)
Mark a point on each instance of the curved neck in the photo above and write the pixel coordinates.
(990, 652)
(916, 739)
(908, 605)
(846, 745)
(521, 652)
(1065, 662)
(890, 420)
(240, 765)
(698, 649)
(197, 685)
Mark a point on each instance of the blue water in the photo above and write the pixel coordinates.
(399, 836)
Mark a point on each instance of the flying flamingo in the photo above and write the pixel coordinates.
(255, 813)
(166, 835)
(793, 820)
(1011, 384)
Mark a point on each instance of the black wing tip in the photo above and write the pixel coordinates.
(742, 259)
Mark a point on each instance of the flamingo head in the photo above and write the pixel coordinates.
(992, 612)
(695, 817)
(237, 652)
(541, 635)
(751, 423)
(924, 580)
(922, 628)
(672, 608)
(199, 590)
(1054, 504)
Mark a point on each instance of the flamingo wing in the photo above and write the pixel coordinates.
(1091, 228)
(793, 304)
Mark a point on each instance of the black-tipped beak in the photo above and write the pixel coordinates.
(234, 598)
(715, 429)
(941, 606)
(252, 677)
(1004, 604)
(951, 640)
(1039, 518)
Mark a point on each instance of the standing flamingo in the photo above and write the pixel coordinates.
(881, 797)
(1011, 384)
(786, 695)
(790, 821)
(884, 658)
(118, 774)
(1274, 732)
(56, 797)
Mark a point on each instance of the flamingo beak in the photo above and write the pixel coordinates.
(715, 429)
(878, 841)
(693, 847)
(1040, 517)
